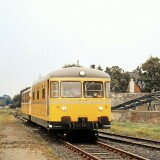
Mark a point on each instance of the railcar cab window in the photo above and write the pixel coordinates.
(54, 89)
(107, 89)
(93, 89)
(71, 89)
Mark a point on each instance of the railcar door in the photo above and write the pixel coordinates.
(47, 97)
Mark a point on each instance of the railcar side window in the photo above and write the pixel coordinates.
(27, 97)
(93, 89)
(22, 98)
(54, 89)
(43, 91)
(107, 89)
(33, 95)
(37, 93)
(71, 89)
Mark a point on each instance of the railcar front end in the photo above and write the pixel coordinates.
(79, 104)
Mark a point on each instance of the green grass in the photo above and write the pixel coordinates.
(151, 131)
(143, 130)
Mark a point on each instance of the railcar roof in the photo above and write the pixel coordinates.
(75, 72)
(28, 90)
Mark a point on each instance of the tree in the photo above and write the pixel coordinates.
(100, 68)
(69, 65)
(119, 79)
(108, 70)
(16, 101)
(149, 74)
(2, 103)
(5, 100)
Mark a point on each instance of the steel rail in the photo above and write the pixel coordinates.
(17, 115)
(121, 152)
(129, 137)
(104, 135)
(80, 151)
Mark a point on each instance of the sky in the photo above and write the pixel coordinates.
(39, 36)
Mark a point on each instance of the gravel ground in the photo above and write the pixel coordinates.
(19, 141)
(141, 151)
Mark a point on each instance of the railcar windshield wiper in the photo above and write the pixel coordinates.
(89, 85)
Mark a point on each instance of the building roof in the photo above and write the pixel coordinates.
(133, 75)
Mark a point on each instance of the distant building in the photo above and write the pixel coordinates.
(7, 107)
(134, 85)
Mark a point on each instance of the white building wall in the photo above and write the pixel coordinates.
(131, 86)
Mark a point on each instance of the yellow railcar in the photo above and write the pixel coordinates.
(71, 99)
(26, 104)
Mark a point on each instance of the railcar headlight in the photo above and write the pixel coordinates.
(64, 108)
(82, 73)
(95, 94)
(100, 108)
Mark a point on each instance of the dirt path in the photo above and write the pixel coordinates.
(18, 143)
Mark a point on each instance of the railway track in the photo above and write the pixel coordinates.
(147, 143)
(18, 115)
(100, 151)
